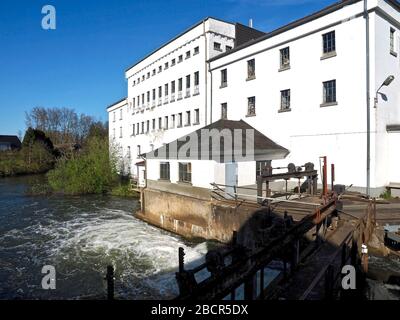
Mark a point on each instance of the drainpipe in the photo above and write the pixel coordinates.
(205, 68)
(366, 16)
(211, 93)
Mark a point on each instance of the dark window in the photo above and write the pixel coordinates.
(180, 58)
(159, 123)
(188, 82)
(180, 84)
(164, 171)
(260, 165)
(137, 128)
(142, 128)
(159, 92)
(196, 78)
(179, 120)
(159, 69)
(142, 98)
(196, 50)
(148, 96)
(154, 72)
(187, 55)
(251, 69)
(285, 57)
(251, 106)
(224, 78)
(217, 46)
(227, 48)
(166, 65)
(285, 99)
(329, 42)
(196, 116)
(138, 150)
(154, 94)
(329, 91)
(172, 62)
(185, 172)
(187, 118)
(392, 39)
(166, 89)
(154, 124)
(173, 87)
(133, 129)
(147, 125)
(148, 75)
(224, 111)
(166, 123)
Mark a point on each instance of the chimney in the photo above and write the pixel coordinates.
(251, 23)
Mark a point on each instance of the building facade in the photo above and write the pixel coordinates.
(306, 85)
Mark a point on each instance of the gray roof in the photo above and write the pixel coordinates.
(12, 140)
(222, 141)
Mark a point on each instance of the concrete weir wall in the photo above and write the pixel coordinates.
(189, 212)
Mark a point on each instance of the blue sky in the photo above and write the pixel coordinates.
(81, 64)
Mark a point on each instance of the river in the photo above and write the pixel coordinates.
(80, 236)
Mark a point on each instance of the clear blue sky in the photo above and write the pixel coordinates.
(81, 64)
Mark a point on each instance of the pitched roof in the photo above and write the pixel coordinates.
(13, 140)
(222, 141)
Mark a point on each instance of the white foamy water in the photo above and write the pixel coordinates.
(80, 238)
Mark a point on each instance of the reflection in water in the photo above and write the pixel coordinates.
(80, 236)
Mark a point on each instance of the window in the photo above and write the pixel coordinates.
(164, 171)
(114, 116)
(224, 111)
(159, 69)
(148, 96)
(196, 83)
(173, 121)
(224, 78)
(160, 123)
(153, 124)
(187, 56)
(196, 116)
(185, 172)
(217, 46)
(180, 58)
(138, 80)
(251, 69)
(329, 42)
(166, 93)
(129, 152)
(187, 118)
(120, 114)
(134, 83)
(196, 50)
(227, 48)
(165, 65)
(148, 75)
(114, 133)
(137, 128)
(154, 72)
(147, 126)
(159, 95)
(133, 129)
(260, 165)
(173, 62)
(138, 100)
(154, 94)
(138, 151)
(142, 127)
(166, 122)
(392, 41)
(172, 86)
(142, 98)
(133, 104)
(142, 77)
(285, 100)
(187, 86)
(180, 120)
(120, 132)
(329, 88)
(285, 58)
(251, 106)
(180, 88)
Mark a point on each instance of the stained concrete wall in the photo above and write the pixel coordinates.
(190, 212)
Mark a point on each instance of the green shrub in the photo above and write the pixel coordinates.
(91, 171)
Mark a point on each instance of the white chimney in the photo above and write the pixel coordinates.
(251, 23)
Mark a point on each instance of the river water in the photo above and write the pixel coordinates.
(80, 236)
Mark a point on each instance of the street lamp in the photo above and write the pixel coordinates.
(385, 83)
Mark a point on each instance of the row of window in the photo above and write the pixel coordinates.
(164, 123)
(185, 171)
(166, 65)
(148, 100)
(329, 97)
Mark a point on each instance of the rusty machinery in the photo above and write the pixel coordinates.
(293, 172)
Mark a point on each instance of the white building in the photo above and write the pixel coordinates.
(167, 90)
(305, 85)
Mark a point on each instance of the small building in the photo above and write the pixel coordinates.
(8, 143)
(181, 176)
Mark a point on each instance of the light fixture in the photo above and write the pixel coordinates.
(385, 83)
